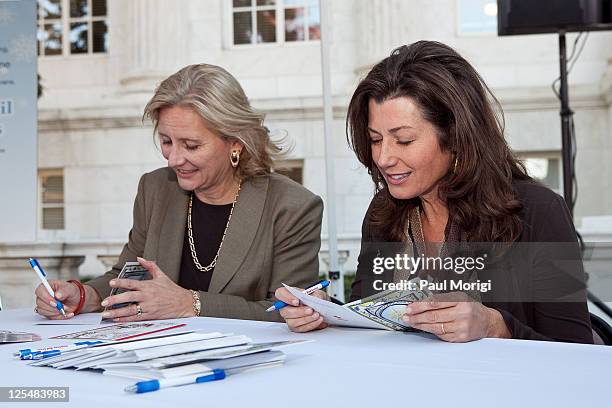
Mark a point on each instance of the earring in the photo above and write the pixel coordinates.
(455, 166)
(235, 158)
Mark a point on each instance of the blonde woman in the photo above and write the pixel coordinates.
(217, 229)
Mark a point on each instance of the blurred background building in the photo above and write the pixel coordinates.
(100, 60)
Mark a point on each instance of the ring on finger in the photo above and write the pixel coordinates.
(443, 331)
(138, 310)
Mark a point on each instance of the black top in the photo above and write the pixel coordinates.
(208, 223)
(546, 220)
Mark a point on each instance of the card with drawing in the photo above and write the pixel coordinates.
(124, 331)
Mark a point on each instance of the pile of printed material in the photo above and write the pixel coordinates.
(172, 356)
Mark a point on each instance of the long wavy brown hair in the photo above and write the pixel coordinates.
(452, 96)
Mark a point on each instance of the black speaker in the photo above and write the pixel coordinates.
(551, 16)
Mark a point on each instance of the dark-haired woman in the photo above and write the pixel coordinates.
(423, 125)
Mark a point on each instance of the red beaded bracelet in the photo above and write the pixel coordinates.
(82, 296)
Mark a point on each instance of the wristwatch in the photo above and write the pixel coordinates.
(196, 302)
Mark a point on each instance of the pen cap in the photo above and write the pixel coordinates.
(38, 355)
(36, 266)
(216, 375)
(33, 263)
(147, 386)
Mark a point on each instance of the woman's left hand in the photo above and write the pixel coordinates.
(454, 317)
(158, 298)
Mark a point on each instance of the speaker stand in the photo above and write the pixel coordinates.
(566, 128)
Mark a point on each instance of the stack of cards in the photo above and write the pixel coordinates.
(17, 337)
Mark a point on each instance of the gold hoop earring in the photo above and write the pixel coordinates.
(455, 166)
(235, 158)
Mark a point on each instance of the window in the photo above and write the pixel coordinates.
(275, 21)
(51, 191)
(477, 16)
(546, 168)
(72, 27)
(294, 169)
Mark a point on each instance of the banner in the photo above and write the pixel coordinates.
(18, 121)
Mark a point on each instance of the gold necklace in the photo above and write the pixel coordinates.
(194, 256)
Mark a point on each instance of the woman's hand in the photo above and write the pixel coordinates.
(66, 292)
(454, 317)
(302, 318)
(158, 298)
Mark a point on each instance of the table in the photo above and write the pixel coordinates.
(345, 367)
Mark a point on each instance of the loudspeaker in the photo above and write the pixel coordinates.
(551, 16)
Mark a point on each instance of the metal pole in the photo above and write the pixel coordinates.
(336, 287)
(566, 117)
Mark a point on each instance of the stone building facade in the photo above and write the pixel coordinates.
(91, 131)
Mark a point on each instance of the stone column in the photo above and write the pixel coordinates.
(606, 91)
(155, 43)
(382, 28)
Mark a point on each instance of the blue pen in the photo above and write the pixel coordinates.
(154, 385)
(43, 278)
(29, 354)
(42, 355)
(279, 304)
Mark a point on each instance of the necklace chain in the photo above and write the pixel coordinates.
(194, 255)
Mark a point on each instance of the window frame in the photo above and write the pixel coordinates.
(279, 7)
(283, 166)
(546, 154)
(44, 173)
(65, 20)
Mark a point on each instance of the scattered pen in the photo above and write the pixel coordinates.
(154, 385)
(43, 278)
(279, 304)
(37, 354)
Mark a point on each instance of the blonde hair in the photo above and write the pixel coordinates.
(218, 98)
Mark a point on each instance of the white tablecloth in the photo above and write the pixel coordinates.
(348, 368)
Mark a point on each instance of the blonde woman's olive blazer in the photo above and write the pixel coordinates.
(273, 238)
